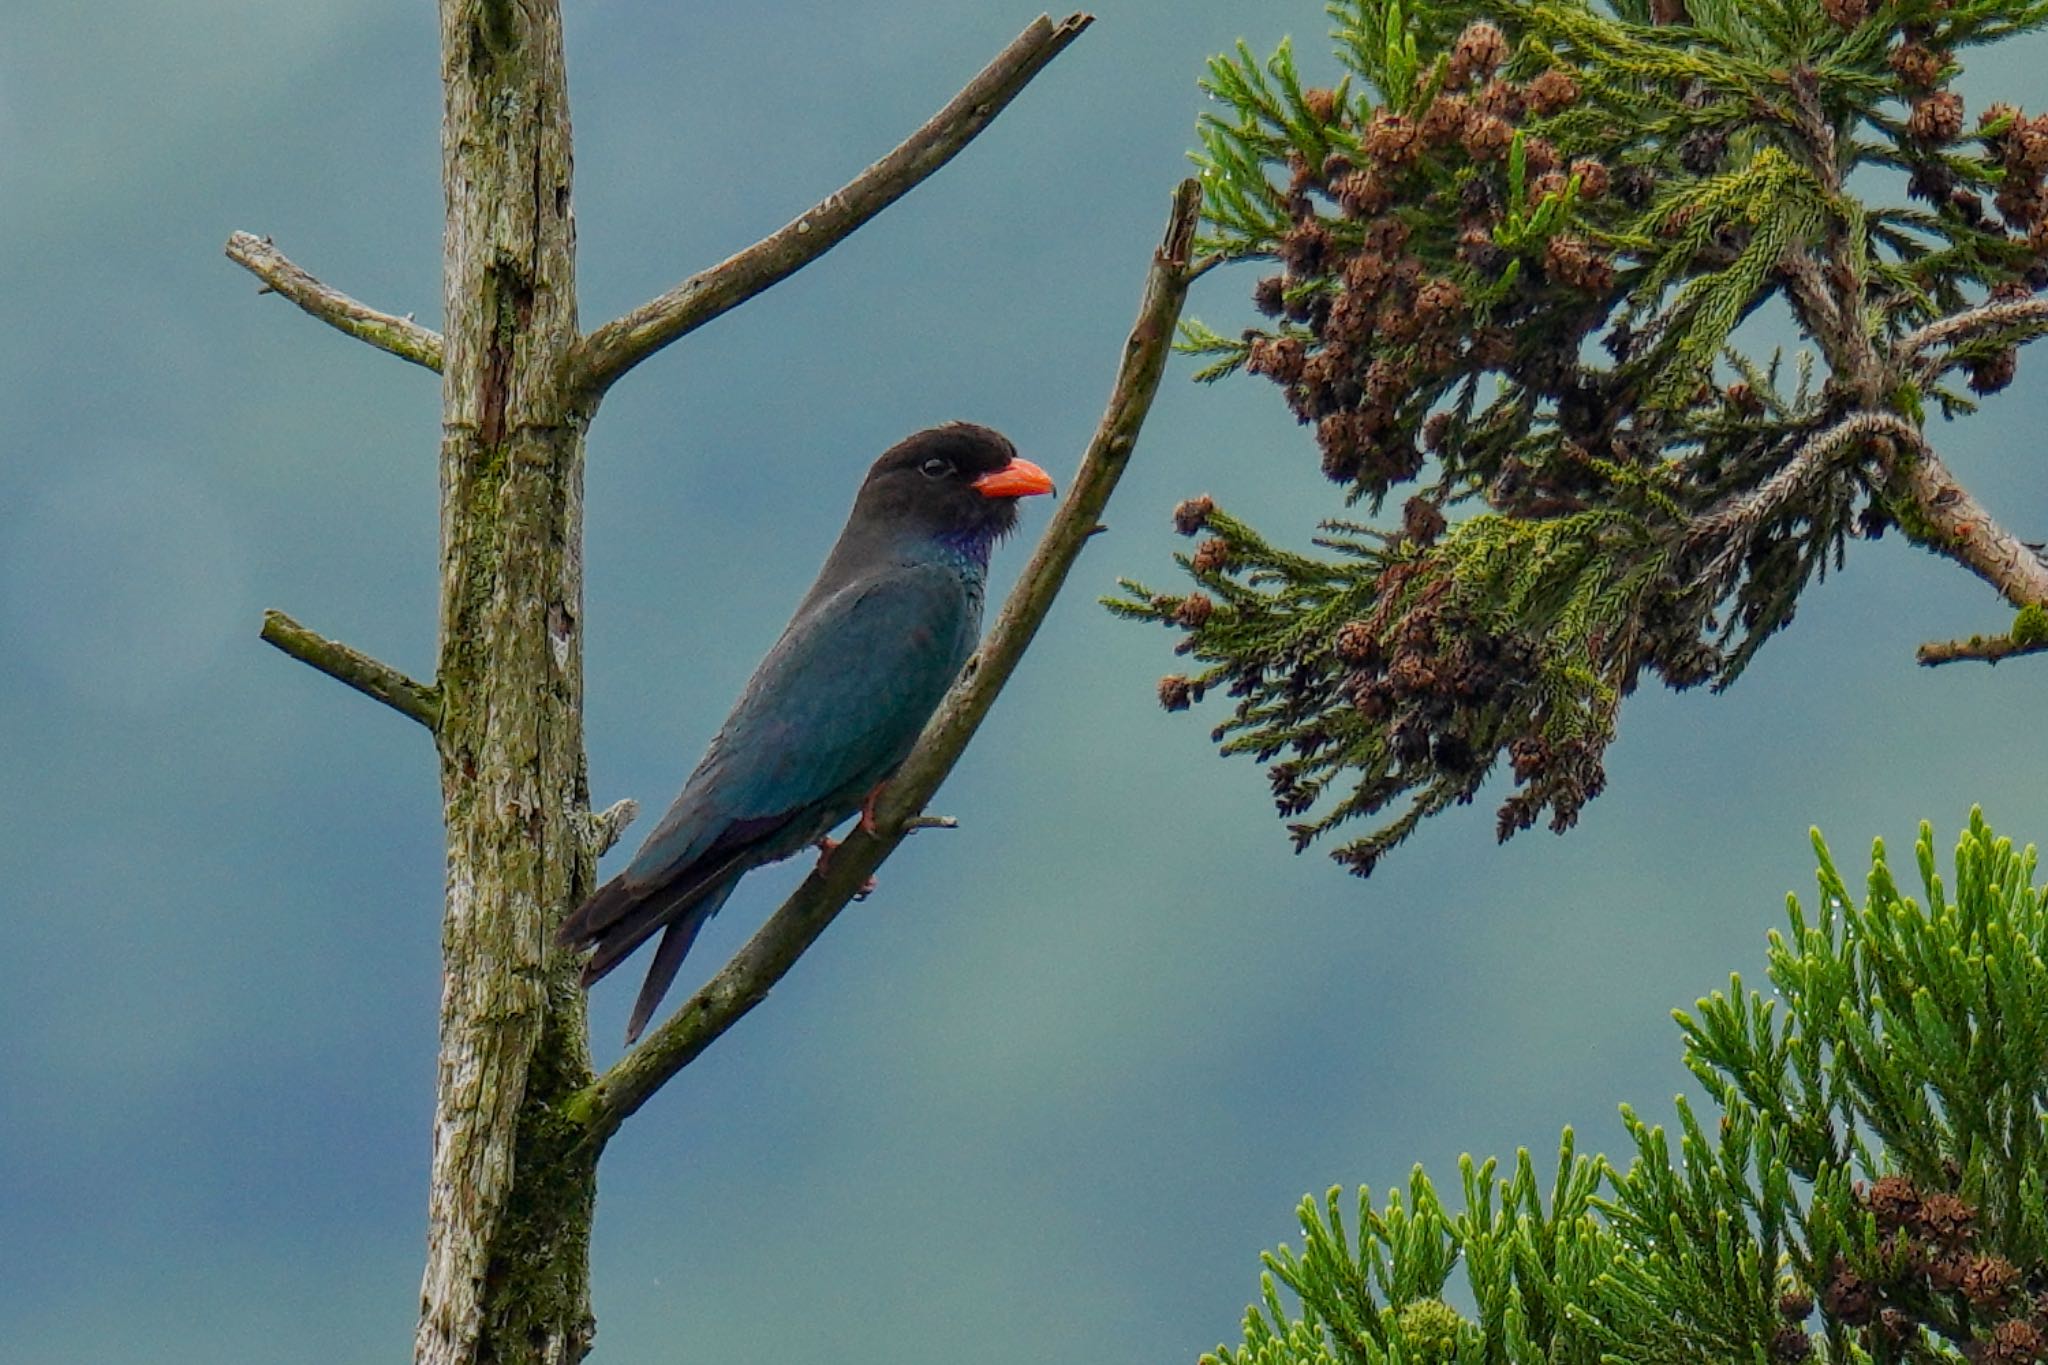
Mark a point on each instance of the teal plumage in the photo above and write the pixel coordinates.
(837, 703)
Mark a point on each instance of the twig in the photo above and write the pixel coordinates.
(601, 829)
(1978, 648)
(365, 674)
(607, 353)
(745, 981)
(2029, 317)
(401, 336)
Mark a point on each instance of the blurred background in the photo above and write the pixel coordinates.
(1048, 1094)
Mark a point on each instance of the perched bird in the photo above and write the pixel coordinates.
(835, 707)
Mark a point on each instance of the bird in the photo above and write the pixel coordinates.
(833, 709)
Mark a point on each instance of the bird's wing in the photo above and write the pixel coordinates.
(831, 711)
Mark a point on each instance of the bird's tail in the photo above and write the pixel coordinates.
(618, 920)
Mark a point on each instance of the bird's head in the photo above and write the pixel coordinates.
(958, 482)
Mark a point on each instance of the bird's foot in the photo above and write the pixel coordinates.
(867, 809)
(825, 847)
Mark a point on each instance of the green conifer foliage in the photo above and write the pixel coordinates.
(1873, 1188)
(1513, 245)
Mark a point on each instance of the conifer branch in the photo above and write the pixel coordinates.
(379, 681)
(745, 981)
(402, 337)
(607, 353)
(1737, 521)
(1650, 174)
(1942, 515)
(2026, 318)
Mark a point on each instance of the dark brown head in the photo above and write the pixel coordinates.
(959, 482)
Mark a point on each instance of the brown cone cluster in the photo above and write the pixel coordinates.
(1386, 327)
(1928, 1253)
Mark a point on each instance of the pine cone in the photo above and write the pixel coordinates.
(1502, 100)
(2026, 147)
(1391, 138)
(1931, 182)
(1193, 514)
(1790, 1345)
(1354, 643)
(1572, 261)
(1361, 194)
(1479, 51)
(1553, 90)
(1195, 610)
(1918, 65)
(1302, 250)
(1444, 121)
(1487, 137)
(1937, 118)
(1593, 179)
(1987, 1280)
(1847, 1296)
(1436, 430)
(1946, 1218)
(1421, 522)
(2014, 1342)
(1280, 357)
(1437, 299)
(1995, 371)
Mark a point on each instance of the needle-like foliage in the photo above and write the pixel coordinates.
(1513, 246)
(1873, 1188)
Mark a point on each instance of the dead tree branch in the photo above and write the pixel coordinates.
(366, 675)
(607, 353)
(402, 337)
(1985, 649)
(601, 829)
(745, 981)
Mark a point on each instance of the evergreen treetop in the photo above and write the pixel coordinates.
(1874, 1186)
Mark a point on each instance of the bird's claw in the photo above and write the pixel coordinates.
(825, 847)
(867, 809)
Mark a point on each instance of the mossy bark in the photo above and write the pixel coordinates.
(510, 1208)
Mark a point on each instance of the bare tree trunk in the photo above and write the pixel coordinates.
(506, 1277)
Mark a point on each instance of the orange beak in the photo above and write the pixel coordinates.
(1018, 479)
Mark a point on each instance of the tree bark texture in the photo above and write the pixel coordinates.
(509, 1214)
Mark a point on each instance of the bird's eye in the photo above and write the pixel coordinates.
(936, 468)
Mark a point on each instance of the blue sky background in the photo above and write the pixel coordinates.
(1048, 1094)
